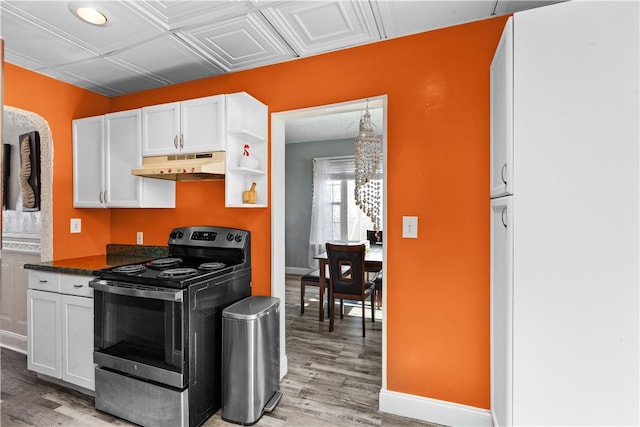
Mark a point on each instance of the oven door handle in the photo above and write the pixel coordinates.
(164, 295)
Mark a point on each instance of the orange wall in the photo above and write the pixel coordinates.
(437, 168)
(58, 103)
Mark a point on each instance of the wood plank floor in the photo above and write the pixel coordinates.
(333, 378)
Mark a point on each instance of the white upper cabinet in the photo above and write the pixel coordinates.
(161, 129)
(202, 122)
(247, 158)
(501, 74)
(88, 146)
(105, 149)
(122, 153)
(121, 145)
(186, 127)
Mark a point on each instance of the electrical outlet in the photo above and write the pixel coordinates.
(76, 225)
(410, 227)
(139, 237)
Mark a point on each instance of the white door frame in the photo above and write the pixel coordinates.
(278, 121)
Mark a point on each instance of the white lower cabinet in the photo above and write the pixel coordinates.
(44, 350)
(77, 340)
(60, 327)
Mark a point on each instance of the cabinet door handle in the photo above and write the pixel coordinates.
(78, 286)
(181, 141)
(100, 197)
(503, 172)
(43, 281)
(105, 197)
(175, 141)
(503, 216)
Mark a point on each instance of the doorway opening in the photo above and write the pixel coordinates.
(278, 167)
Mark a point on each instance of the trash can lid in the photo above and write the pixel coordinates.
(251, 308)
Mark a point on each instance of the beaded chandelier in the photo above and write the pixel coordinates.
(368, 170)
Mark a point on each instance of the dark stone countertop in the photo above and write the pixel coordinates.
(116, 255)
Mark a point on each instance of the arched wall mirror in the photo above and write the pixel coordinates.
(27, 208)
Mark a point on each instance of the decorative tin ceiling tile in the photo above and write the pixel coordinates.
(35, 43)
(175, 15)
(238, 43)
(314, 27)
(109, 78)
(399, 18)
(58, 24)
(168, 59)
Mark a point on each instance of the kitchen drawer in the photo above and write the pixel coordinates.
(44, 281)
(76, 285)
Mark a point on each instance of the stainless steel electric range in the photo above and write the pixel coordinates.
(158, 327)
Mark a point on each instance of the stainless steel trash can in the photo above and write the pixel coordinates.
(250, 359)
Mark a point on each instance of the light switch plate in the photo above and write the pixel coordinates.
(410, 227)
(139, 237)
(76, 225)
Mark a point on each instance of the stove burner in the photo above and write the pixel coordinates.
(212, 265)
(177, 273)
(164, 262)
(129, 269)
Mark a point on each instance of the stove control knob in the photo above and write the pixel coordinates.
(238, 237)
(230, 237)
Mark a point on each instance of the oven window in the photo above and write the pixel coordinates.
(143, 330)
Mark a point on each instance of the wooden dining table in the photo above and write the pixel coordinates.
(372, 263)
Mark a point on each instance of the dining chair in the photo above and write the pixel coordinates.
(347, 279)
(312, 278)
(377, 281)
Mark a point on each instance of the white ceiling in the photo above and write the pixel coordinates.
(148, 44)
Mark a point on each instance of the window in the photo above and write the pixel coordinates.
(334, 214)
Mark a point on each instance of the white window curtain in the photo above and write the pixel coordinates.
(320, 218)
(334, 214)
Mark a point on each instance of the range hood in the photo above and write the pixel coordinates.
(183, 167)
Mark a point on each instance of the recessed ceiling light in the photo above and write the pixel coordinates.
(91, 15)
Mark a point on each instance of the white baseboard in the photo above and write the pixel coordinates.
(284, 366)
(433, 410)
(13, 341)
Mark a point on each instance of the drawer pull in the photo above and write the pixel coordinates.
(78, 286)
(43, 281)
